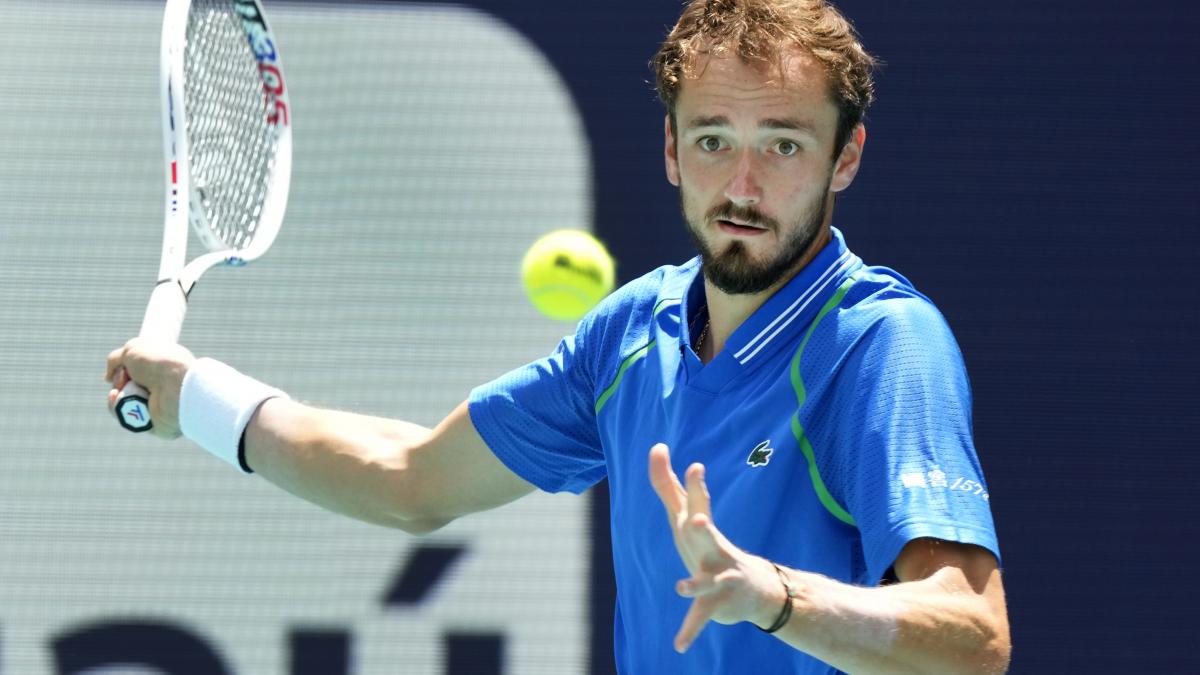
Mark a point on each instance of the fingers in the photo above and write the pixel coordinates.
(693, 500)
(665, 482)
(699, 584)
(690, 513)
(699, 614)
(705, 551)
(115, 357)
(136, 355)
(114, 372)
(159, 367)
(121, 359)
(705, 583)
(697, 492)
(702, 538)
(119, 379)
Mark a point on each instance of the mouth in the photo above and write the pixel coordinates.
(740, 228)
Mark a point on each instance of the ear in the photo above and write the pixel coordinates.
(846, 166)
(670, 152)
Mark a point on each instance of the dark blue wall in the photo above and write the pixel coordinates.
(1033, 168)
(1035, 172)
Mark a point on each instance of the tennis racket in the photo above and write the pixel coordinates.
(227, 151)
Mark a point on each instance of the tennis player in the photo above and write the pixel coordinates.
(831, 515)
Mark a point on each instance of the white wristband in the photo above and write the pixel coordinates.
(215, 405)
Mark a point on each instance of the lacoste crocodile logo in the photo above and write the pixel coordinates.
(761, 454)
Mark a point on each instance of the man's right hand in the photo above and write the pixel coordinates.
(157, 366)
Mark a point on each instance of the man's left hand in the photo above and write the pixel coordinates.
(727, 584)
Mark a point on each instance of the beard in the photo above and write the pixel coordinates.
(733, 269)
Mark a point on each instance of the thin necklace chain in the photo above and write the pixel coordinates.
(703, 335)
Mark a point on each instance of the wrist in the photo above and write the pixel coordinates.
(775, 613)
(216, 404)
(769, 597)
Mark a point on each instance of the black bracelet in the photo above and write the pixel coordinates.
(786, 612)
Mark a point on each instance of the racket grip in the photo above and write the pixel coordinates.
(165, 311)
(163, 321)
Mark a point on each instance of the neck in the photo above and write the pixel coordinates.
(728, 311)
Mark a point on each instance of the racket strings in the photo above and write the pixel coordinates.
(231, 142)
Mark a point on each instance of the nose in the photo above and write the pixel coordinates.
(743, 188)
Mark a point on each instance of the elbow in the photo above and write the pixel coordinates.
(406, 511)
(985, 644)
(989, 655)
(997, 655)
(991, 658)
(981, 644)
(993, 661)
(399, 511)
(410, 505)
(420, 527)
(998, 646)
(995, 651)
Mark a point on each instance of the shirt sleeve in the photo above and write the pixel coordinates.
(909, 467)
(539, 419)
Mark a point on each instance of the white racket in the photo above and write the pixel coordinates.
(227, 150)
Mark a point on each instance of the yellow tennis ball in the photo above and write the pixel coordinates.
(566, 273)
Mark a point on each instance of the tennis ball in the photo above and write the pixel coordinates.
(566, 273)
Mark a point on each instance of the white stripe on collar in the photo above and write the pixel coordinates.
(844, 262)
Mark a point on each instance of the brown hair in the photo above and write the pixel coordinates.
(759, 31)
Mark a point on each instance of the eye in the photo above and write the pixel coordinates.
(787, 148)
(710, 143)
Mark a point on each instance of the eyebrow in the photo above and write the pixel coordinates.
(785, 124)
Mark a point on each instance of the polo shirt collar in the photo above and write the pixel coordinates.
(781, 317)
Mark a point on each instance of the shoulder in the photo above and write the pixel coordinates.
(883, 305)
(623, 322)
(883, 327)
(636, 296)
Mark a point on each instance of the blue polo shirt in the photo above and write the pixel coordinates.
(835, 427)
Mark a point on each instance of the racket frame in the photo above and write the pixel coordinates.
(167, 307)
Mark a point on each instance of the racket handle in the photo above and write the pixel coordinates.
(165, 311)
(163, 321)
(133, 408)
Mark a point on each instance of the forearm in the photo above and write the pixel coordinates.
(936, 624)
(356, 465)
(382, 471)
